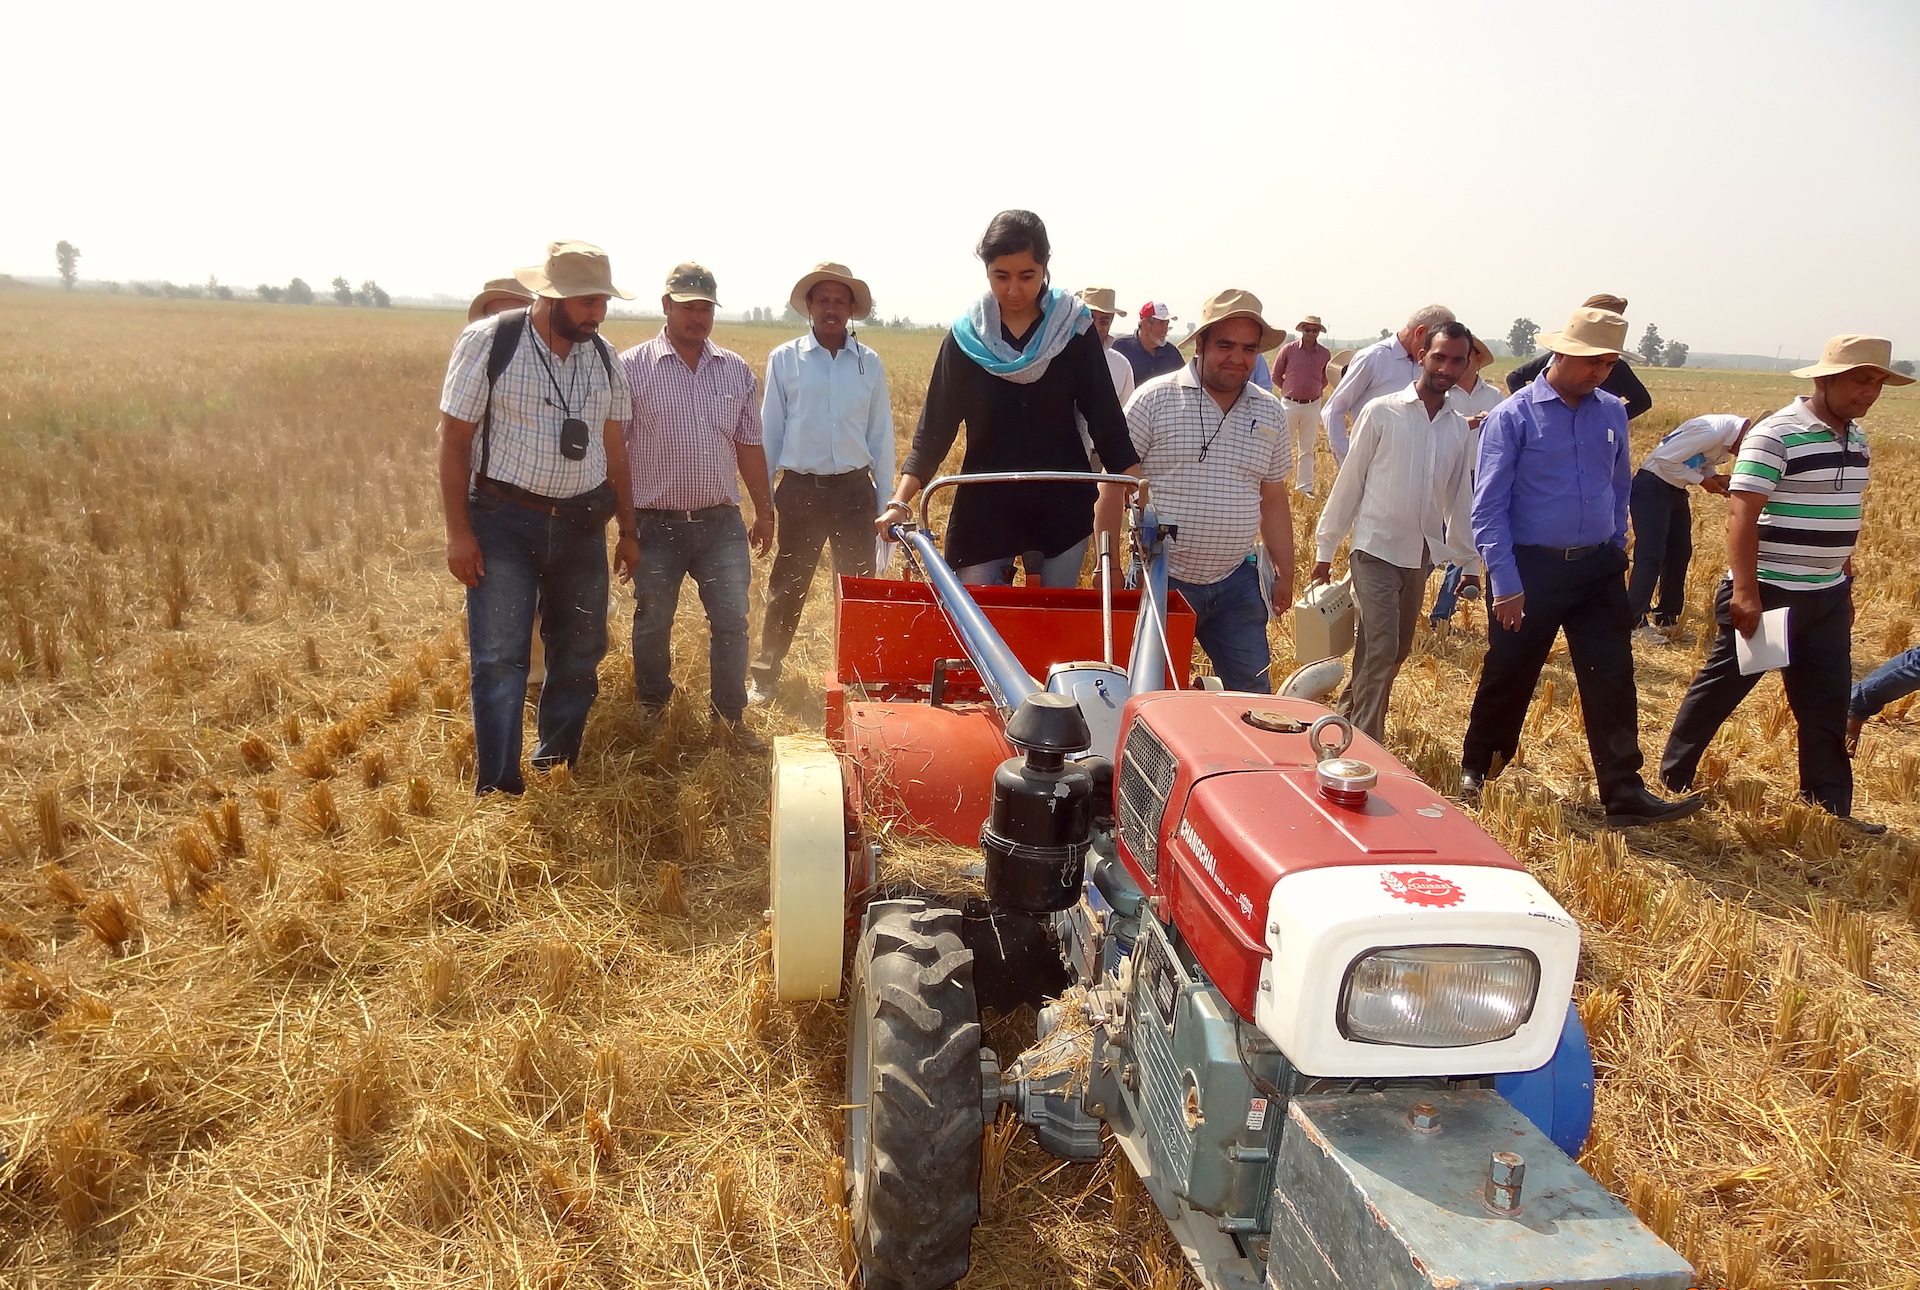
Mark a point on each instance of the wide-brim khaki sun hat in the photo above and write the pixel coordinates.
(573, 269)
(1311, 320)
(498, 289)
(1611, 303)
(828, 271)
(1844, 353)
(1235, 303)
(1481, 354)
(1101, 300)
(1589, 333)
(1342, 358)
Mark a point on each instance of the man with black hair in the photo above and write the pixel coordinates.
(1384, 367)
(531, 469)
(1406, 496)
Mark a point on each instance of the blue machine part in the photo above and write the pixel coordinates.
(1557, 1098)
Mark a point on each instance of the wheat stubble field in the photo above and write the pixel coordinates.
(282, 1005)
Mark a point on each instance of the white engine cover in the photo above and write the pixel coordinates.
(1321, 921)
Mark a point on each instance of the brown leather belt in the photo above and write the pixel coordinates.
(519, 497)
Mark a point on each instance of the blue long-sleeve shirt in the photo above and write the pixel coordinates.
(1550, 474)
(826, 414)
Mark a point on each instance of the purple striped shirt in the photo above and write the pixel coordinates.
(687, 424)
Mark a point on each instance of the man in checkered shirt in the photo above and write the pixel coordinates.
(693, 435)
(1214, 450)
(531, 469)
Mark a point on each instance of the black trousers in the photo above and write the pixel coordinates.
(813, 510)
(1662, 546)
(1818, 677)
(1587, 599)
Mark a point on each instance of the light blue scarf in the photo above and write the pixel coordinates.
(977, 332)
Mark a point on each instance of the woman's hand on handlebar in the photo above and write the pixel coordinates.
(894, 512)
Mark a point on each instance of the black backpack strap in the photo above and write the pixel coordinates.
(606, 361)
(506, 340)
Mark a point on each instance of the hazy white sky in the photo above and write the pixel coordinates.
(1742, 170)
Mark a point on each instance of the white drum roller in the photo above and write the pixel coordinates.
(807, 882)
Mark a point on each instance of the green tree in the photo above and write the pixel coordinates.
(1520, 337)
(269, 294)
(372, 296)
(66, 254)
(791, 315)
(342, 291)
(299, 293)
(1651, 346)
(1675, 354)
(1384, 333)
(1904, 366)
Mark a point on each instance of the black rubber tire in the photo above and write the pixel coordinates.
(913, 1064)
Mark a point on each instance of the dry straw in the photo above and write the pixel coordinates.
(531, 1043)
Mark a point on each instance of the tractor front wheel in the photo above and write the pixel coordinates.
(914, 1113)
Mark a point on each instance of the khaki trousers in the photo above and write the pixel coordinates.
(1386, 601)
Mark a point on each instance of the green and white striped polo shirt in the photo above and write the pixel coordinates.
(1813, 479)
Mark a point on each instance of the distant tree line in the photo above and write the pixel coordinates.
(1654, 350)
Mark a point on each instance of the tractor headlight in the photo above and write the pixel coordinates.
(1439, 996)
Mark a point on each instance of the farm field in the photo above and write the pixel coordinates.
(282, 1005)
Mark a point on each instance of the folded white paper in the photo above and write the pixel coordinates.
(1766, 649)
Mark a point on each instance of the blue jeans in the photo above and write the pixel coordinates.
(1061, 570)
(532, 559)
(1232, 627)
(1894, 679)
(712, 550)
(1448, 598)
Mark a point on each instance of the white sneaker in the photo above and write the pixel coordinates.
(756, 696)
(1651, 635)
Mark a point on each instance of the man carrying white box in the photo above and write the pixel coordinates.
(1406, 487)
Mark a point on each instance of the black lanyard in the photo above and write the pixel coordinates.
(540, 351)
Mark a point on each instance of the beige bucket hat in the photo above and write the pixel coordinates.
(1102, 300)
(1610, 303)
(1844, 353)
(690, 281)
(1235, 303)
(1589, 333)
(828, 271)
(498, 289)
(573, 268)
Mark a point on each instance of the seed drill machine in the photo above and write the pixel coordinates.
(1327, 1019)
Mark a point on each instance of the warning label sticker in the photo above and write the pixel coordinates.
(1256, 1113)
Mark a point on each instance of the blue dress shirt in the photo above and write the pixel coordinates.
(1550, 474)
(827, 414)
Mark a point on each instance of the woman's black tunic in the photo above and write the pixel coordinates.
(1020, 427)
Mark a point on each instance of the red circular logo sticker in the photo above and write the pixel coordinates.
(1417, 888)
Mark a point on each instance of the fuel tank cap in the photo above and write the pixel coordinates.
(1345, 780)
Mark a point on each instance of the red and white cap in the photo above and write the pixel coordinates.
(1156, 309)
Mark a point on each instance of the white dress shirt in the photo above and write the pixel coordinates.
(827, 414)
(1122, 373)
(1378, 369)
(1483, 398)
(1693, 448)
(1407, 484)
